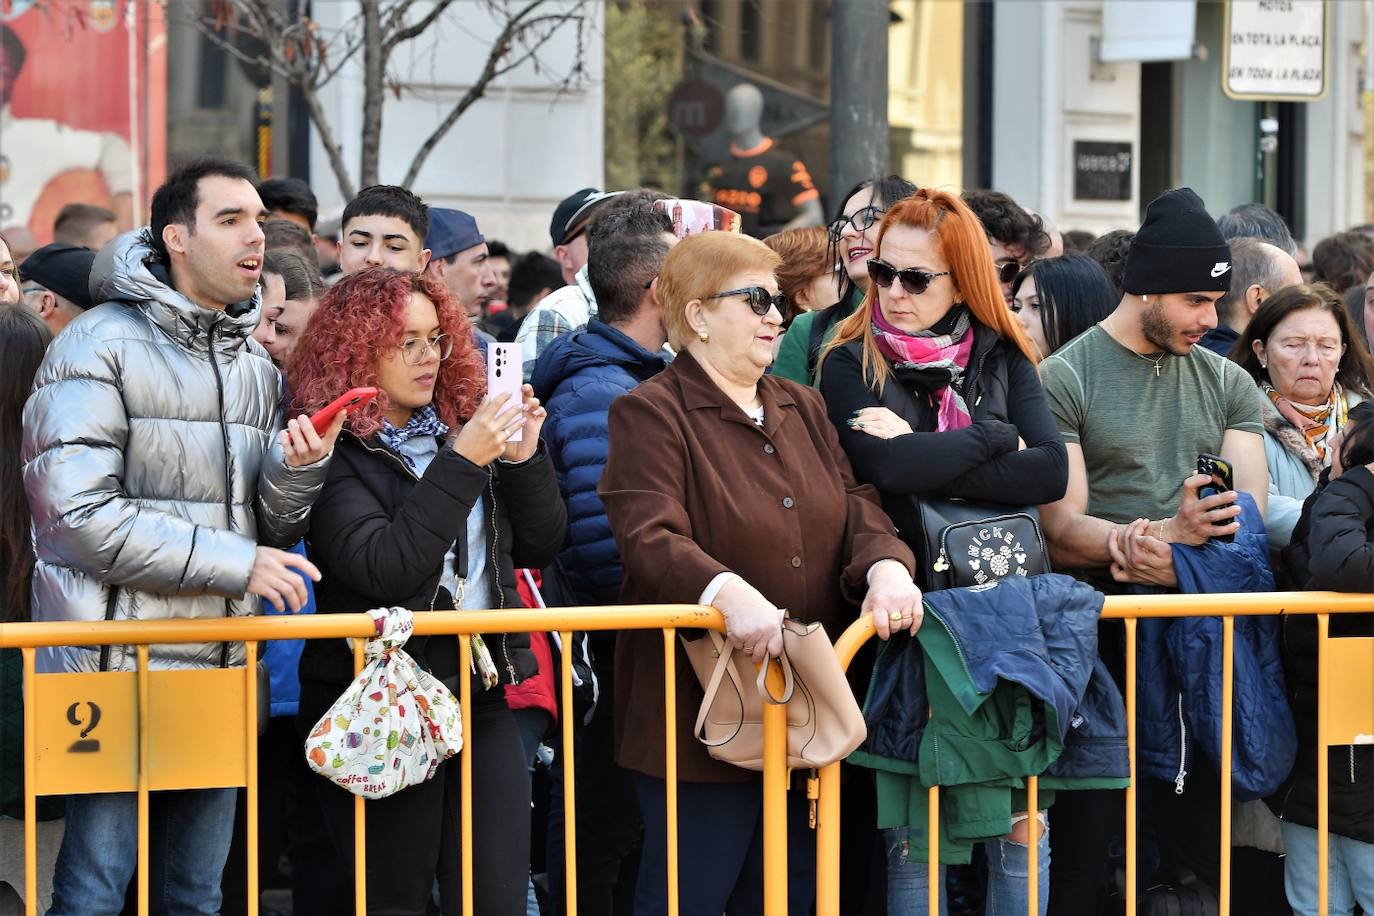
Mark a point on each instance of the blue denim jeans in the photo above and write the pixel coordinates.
(189, 834)
(908, 880)
(1349, 867)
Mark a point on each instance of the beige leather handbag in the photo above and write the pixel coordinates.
(824, 722)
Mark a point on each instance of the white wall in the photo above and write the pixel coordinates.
(511, 157)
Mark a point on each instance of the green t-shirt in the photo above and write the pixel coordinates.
(1141, 434)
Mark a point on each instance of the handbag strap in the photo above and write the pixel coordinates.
(725, 654)
(788, 684)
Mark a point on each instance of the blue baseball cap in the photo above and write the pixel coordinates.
(451, 231)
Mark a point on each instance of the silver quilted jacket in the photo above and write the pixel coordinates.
(152, 466)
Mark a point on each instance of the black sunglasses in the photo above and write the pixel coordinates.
(1007, 271)
(760, 300)
(860, 219)
(914, 281)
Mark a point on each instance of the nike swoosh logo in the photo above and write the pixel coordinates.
(1220, 269)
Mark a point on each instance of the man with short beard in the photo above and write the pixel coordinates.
(1137, 400)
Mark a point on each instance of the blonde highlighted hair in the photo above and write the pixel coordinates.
(701, 265)
(964, 244)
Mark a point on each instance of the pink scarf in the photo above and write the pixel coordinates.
(937, 361)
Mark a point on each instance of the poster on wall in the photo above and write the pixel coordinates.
(82, 109)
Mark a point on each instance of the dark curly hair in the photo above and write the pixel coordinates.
(1006, 221)
(360, 319)
(1109, 251)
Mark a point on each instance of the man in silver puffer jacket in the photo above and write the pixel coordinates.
(162, 484)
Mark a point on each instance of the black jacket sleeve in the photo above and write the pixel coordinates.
(373, 552)
(1035, 475)
(915, 462)
(1342, 553)
(538, 516)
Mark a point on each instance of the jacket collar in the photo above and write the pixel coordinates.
(700, 392)
(127, 271)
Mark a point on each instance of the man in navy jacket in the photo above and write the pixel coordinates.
(577, 378)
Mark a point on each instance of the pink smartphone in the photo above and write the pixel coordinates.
(355, 398)
(505, 374)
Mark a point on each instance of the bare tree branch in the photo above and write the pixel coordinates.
(409, 32)
(516, 27)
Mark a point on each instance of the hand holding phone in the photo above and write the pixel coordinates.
(1220, 484)
(357, 397)
(505, 375)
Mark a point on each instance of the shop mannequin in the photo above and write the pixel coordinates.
(771, 189)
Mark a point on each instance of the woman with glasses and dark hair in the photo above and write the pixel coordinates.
(726, 486)
(428, 505)
(970, 420)
(1056, 299)
(851, 236)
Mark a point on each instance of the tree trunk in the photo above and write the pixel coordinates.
(374, 70)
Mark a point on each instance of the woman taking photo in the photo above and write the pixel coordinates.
(427, 506)
(695, 452)
(851, 236)
(1056, 299)
(1310, 362)
(973, 420)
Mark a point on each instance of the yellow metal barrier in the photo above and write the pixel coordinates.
(138, 706)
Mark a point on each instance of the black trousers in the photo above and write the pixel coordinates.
(413, 837)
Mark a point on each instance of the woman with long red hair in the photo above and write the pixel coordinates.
(933, 388)
(429, 506)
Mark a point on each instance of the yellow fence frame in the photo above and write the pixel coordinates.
(670, 618)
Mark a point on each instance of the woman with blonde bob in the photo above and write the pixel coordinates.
(726, 486)
(970, 420)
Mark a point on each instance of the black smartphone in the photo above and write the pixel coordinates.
(1219, 469)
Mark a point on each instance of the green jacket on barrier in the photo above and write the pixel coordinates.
(1010, 676)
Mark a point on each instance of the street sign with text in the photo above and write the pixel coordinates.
(1275, 50)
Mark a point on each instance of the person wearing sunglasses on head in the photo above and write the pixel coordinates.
(851, 238)
(970, 419)
(726, 486)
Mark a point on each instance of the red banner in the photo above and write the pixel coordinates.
(82, 108)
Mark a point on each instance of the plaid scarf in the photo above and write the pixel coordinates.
(939, 360)
(423, 422)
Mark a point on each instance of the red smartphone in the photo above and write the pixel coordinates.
(355, 398)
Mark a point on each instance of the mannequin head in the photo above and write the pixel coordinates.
(743, 112)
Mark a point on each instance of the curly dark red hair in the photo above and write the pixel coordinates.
(361, 318)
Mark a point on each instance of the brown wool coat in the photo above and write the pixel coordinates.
(693, 488)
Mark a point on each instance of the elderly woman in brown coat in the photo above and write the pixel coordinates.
(726, 486)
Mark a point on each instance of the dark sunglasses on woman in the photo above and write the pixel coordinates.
(1007, 271)
(914, 281)
(760, 300)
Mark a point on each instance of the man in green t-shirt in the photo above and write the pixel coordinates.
(1137, 401)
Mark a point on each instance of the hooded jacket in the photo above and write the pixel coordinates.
(152, 465)
(1333, 548)
(577, 379)
(1011, 677)
(1178, 679)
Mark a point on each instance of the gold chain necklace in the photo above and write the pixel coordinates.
(1155, 362)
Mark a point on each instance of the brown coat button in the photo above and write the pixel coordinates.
(787, 502)
(796, 561)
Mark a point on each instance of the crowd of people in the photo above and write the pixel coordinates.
(758, 425)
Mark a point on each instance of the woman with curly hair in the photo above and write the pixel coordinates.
(429, 506)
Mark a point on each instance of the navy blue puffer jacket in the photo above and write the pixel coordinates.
(577, 377)
(1179, 674)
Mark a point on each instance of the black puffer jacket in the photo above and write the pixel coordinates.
(1332, 548)
(379, 535)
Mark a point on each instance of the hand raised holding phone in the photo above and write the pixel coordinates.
(488, 435)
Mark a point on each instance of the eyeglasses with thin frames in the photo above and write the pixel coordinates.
(861, 219)
(415, 349)
(759, 299)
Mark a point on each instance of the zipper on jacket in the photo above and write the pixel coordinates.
(1352, 764)
(228, 476)
(496, 576)
(1182, 750)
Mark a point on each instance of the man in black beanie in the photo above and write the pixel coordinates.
(55, 283)
(1137, 401)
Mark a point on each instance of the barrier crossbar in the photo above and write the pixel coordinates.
(1346, 707)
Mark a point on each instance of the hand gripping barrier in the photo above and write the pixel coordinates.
(146, 730)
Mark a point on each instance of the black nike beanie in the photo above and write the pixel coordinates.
(1179, 249)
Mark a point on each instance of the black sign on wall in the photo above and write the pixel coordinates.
(1101, 170)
